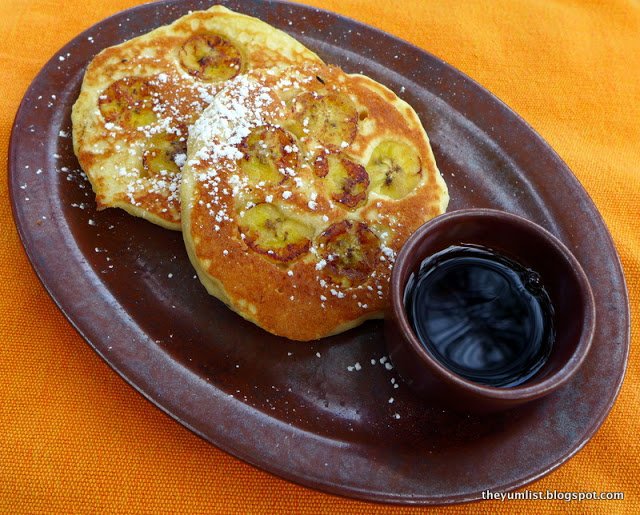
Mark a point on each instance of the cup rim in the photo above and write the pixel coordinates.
(516, 393)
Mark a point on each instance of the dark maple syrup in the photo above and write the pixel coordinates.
(482, 315)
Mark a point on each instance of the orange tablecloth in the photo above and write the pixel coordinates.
(75, 438)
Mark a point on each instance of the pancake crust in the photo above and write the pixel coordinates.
(300, 187)
(130, 122)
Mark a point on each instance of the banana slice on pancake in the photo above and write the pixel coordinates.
(138, 99)
(300, 186)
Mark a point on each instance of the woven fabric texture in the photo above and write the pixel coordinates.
(75, 438)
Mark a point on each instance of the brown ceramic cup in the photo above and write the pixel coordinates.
(533, 247)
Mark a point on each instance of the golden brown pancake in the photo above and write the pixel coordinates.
(130, 122)
(300, 187)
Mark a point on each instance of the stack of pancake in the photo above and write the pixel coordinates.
(294, 183)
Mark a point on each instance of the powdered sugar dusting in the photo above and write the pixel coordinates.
(235, 110)
(241, 105)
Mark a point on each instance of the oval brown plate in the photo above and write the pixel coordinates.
(128, 288)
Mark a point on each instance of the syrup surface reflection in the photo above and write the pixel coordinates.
(483, 316)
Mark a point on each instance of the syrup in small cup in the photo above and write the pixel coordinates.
(491, 248)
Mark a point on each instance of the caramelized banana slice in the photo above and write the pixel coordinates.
(350, 252)
(160, 156)
(128, 103)
(346, 181)
(269, 231)
(332, 118)
(210, 58)
(395, 169)
(267, 153)
(294, 127)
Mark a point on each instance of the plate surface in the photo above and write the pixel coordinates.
(290, 408)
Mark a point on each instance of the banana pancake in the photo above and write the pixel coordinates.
(300, 187)
(130, 122)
